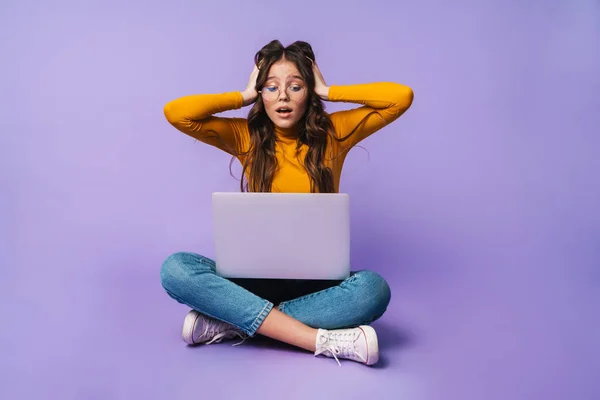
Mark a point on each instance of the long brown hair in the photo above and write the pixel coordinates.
(314, 127)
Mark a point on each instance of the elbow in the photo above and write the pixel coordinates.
(169, 112)
(405, 97)
(175, 115)
(400, 99)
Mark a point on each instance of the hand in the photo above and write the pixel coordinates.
(250, 94)
(321, 88)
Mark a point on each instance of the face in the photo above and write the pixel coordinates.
(284, 94)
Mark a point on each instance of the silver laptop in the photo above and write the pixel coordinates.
(282, 235)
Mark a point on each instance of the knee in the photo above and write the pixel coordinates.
(172, 271)
(374, 294)
(177, 269)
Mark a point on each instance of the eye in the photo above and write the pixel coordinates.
(296, 88)
(271, 89)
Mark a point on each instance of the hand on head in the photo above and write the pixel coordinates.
(250, 94)
(321, 88)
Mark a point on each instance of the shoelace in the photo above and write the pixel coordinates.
(212, 327)
(340, 343)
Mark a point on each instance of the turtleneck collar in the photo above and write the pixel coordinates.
(287, 134)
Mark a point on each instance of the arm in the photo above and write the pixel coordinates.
(193, 115)
(383, 103)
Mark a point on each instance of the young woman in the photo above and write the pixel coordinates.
(288, 143)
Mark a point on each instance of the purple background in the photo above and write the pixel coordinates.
(480, 205)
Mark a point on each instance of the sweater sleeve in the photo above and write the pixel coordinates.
(383, 103)
(193, 115)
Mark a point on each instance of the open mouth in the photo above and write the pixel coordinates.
(284, 111)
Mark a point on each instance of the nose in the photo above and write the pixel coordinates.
(283, 94)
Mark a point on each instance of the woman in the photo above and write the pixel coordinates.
(287, 144)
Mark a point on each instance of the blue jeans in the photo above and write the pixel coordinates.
(191, 279)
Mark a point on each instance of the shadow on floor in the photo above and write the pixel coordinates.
(392, 337)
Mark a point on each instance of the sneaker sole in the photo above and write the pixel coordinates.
(189, 325)
(372, 344)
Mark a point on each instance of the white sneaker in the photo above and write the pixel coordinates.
(357, 344)
(198, 328)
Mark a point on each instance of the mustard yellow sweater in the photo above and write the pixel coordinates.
(382, 103)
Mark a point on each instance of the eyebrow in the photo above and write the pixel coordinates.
(292, 77)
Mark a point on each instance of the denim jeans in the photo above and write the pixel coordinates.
(191, 279)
